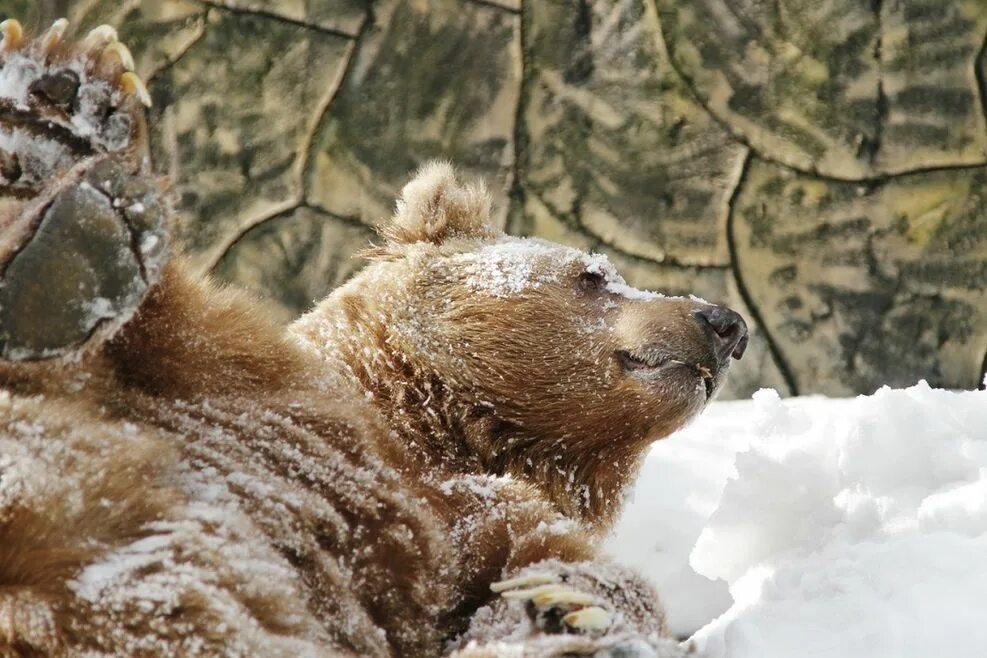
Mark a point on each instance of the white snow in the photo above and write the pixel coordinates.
(16, 76)
(618, 287)
(817, 527)
(510, 266)
(37, 155)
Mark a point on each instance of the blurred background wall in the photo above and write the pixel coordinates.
(820, 165)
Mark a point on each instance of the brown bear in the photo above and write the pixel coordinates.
(421, 465)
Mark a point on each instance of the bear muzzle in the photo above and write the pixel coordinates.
(687, 341)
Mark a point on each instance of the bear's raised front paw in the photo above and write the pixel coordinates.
(83, 231)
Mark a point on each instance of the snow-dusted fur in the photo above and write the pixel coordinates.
(203, 482)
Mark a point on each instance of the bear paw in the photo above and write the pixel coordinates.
(554, 607)
(83, 231)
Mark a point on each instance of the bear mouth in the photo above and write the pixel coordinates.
(651, 365)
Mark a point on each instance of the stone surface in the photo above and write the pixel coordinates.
(841, 87)
(429, 79)
(614, 144)
(869, 284)
(819, 165)
(343, 16)
(232, 119)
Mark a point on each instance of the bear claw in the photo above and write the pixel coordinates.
(523, 581)
(99, 37)
(528, 594)
(592, 618)
(550, 594)
(132, 84)
(562, 596)
(118, 54)
(51, 38)
(13, 34)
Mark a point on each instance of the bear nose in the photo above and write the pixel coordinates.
(729, 331)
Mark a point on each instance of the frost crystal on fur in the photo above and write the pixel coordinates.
(509, 266)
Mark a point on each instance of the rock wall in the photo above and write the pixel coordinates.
(820, 165)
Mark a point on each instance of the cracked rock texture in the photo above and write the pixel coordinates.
(820, 165)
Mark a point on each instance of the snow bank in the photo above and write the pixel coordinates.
(837, 528)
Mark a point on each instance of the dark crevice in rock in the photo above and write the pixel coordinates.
(516, 194)
(245, 230)
(872, 147)
(306, 168)
(883, 178)
(317, 209)
(274, 16)
(814, 173)
(745, 295)
(983, 373)
(352, 220)
(172, 61)
(495, 5)
(980, 75)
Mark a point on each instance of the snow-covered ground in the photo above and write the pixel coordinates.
(820, 527)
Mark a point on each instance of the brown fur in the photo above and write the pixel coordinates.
(352, 485)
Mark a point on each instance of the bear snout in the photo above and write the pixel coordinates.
(726, 329)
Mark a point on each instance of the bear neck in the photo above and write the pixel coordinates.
(360, 340)
(584, 481)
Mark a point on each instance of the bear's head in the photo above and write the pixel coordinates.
(513, 355)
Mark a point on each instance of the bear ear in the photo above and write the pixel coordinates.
(435, 207)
